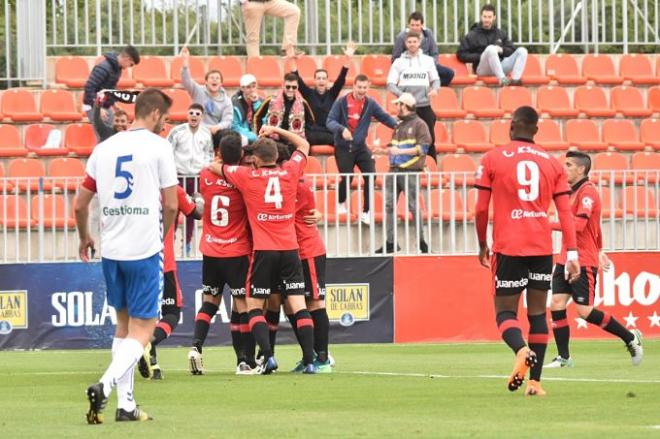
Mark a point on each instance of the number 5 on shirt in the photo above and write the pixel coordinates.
(273, 193)
(123, 174)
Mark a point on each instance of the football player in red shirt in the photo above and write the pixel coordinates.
(226, 246)
(270, 196)
(586, 210)
(523, 179)
(172, 301)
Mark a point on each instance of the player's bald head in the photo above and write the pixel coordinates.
(265, 150)
(524, 123)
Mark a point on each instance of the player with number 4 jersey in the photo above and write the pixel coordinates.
(523, 180)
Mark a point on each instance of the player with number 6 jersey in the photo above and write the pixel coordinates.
(523, 179)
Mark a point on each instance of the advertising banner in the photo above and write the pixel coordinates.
(62, 305)
(450, 298)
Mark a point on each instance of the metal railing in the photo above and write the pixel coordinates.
(36, 216)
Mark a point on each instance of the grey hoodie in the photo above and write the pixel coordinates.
(415, 75)
(218, 110)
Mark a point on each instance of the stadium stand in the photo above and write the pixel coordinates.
(600, 69)
(196, 69)
(500, 132)
(306, 67)
(481, 102)
(554, 101)
(442, 143)
(471, 136)
(71, 71)
(533, 73)
(584, 134)
(52, 211)
(462, 165)
(267, 69)
(462, 76)
(376, 204)
(59, 106)
(592, 101)
(181, 101)
(66, 172)
(29, 174)
(80, 139)
(549, 136)
(10, 142)
(638, 201)
(36, 137)
(376, 67)
(231, 69)
(646, 161)
(637, 69)
(14, 213)
(152, 72)
(19, 105)
(622, 135)
(564, 69)
(334, 63)
(445, 104)
(615, 162)
(511, 98)
(629, 102)
(650, 133)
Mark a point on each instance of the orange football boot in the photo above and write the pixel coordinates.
(534, 389)
(525, 358)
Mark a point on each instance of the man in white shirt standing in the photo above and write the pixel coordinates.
(134, 174)
(192, 144)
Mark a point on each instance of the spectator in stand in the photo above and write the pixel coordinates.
(410, 142)
(491, 52)
(429, 46)
(253, 14)
(192, 144)
(105, 75)
(320, 98)
(349, 120)
(119, 119)
(415, 73)
(246, 103)
(287, 109)
(218, 109)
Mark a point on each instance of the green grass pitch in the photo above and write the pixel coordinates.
(434, 390)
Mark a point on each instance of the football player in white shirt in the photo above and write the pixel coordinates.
(132, 172)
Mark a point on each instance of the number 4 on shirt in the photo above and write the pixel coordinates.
(273, 193)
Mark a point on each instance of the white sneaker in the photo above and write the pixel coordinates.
(244, 369)
(635, 348)
(365, 218)
(559, 362)
(332, 360)
(195, 362)
(341, 209)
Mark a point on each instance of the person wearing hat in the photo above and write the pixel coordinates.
(416, 73)
(407, 151)
(246, 102)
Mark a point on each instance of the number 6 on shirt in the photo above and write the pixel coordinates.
(273, 193)
(219, 215)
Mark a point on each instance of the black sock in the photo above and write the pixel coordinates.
(509, 327)
(294, 328)
(321, 333)
(610, 324)
(247, 340)
(273, 320)
(538, 342)
(305, 326)
(235, 330)
(259, 329)
(562, 332)
(164, 328)
(202, 322)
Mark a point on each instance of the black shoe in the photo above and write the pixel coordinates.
(516, 83)
(388, 248)
(423, 246)
(122, 415)
(97, 402)
(158, 374)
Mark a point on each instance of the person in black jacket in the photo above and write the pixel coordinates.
(105, 75)
(320, 98)
(491, 52)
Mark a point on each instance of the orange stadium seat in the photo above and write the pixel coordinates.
(80, 138)
(654, 99)
(622, 134)
(442, 143)
(166, 130)
(376, 67)
(322, 149)
(592, 101)
(181, 101)
(30, 171)
(389, 106)
(6, 186)
(306, 68)
(36, 136)
(19, 106)
(629, 102)
(462, 76)
(231, 69)
(649, 132)
(59, 105)
(10, 142)
(609, 208)
(376, 96)
(513, 97)
(564, 69)
(382, 163)
(56, 213)
(267, 70)
(600, 69)
(612, 161)
(554, 101)
(152, 72)
(196, 69)
(314, 172)
(472, 204)
(14, 212)
(2, 116)
(126, 79)
(445, 104)
(637, 68)
(533, 73)
(71, 71)
(334, 63)
(549, 136)
(499, 132)
(332, 171)
(584, 134)
(383, 134)
(329, 209)
(471, 136)
(430, 166)
(647, 165)
(639, 201)
(70, 171)
(481, 102)
(462, 165)
(441, 205)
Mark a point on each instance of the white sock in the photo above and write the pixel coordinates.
(124, 357)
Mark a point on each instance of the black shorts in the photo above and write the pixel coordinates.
(314, 272)
(218, 272)
(512, 274)
(272, 270)
(171, 291)
(583, 290)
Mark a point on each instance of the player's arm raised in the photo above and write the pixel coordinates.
(300, 143)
